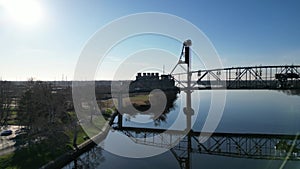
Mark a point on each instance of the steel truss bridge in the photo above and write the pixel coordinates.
(238, 145)
(184, 143)
(256, 77)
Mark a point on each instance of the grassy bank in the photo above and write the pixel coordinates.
(34, 156)
(39, 154)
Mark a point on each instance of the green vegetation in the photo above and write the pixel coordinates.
(40, 153)
(33, 156)
(12, 118)
(80, 137)
(139, 99)
(107, 113)
(50, 125)
(6, 161)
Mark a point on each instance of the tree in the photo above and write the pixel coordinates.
(42, 110)
(5, 101)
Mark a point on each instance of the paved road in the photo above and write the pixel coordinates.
(6, 142)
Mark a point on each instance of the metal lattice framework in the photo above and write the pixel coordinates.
(256, 77)
(254, 146)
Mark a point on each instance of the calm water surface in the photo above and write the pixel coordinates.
(261, 111)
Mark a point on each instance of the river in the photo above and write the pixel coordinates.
(258, 120)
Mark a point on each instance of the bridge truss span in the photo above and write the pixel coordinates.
(255, 77)
(238, 145)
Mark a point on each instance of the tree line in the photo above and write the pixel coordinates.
(41, 109)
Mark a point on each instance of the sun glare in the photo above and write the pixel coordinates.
(25, 12)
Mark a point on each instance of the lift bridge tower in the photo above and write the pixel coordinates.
(186, 87)
(189, 112)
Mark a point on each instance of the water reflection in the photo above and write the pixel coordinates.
(249, 146)
(91, 159)
(157, 116)
(230, 149)
(256, 146)
(295, 92)
(237, 145)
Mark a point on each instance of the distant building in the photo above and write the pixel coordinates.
(149, 81)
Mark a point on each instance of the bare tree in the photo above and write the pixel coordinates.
(42, 109)
(5, 101)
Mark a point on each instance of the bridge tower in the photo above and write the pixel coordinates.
(184, 160)
(188, 109)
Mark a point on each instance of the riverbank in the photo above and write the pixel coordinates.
(85, 146)
(68, 157)
(55, 155)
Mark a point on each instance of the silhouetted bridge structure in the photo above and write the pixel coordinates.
(239, 145)
(256, 77)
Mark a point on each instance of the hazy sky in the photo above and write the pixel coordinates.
(44, 38)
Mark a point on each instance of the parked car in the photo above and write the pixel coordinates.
(6, 133)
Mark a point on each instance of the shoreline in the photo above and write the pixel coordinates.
(70, 156)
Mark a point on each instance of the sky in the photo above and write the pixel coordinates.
(44, 39)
